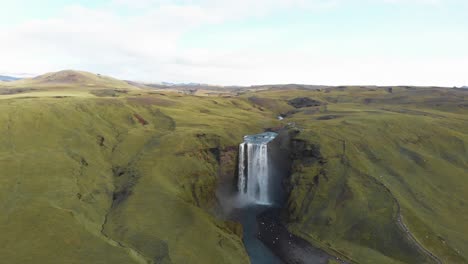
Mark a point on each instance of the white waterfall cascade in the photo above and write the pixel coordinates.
(254, 172)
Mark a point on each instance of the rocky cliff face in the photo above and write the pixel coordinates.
(280, 162)
(330, 201)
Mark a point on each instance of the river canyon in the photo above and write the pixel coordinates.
(263, 169)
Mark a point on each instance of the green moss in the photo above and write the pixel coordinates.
(130, 191)
(380, 150)
(84, 178)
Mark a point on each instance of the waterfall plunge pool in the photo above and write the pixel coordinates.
(256, 192)
(263, 165)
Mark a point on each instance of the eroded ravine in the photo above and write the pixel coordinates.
(261, 200)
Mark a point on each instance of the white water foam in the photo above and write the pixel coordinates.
(254, 177)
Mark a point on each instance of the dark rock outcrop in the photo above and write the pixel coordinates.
(301, 102)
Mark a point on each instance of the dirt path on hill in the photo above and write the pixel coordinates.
(410, 236)
(405, 229)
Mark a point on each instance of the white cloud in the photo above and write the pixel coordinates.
(148, 47)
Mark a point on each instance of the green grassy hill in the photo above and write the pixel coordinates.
(126, 175)
(376, 153)
(121, 180)
(68, 83)
(70, 78)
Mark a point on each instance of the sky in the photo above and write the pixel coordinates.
(242, 42)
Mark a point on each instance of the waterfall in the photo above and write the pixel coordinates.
(254, 177)
(242, 177)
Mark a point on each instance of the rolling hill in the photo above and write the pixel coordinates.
(380, 165)
(70, 79)
(95, 170)
(68, 83)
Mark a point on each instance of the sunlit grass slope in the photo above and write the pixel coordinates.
(68, 83)
(69, 78)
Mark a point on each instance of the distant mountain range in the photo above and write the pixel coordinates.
(72, 77)
(182, 84)
(8, 78)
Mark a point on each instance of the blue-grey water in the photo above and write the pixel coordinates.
(258, 252)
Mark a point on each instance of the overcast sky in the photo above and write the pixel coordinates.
(228, 42)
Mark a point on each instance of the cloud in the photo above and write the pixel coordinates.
(148, 42)
(231, 7)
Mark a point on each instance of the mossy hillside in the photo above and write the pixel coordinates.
(440, 99)
(131, 179)
(418, 153)
(106, 188)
